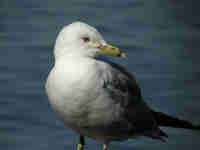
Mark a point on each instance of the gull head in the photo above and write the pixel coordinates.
(81, 39)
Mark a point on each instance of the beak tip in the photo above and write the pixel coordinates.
(123, 55)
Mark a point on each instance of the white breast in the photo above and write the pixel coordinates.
(66, 87)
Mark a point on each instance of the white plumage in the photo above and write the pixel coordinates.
(95, 98)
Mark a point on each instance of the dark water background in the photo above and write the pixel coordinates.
(161, 38)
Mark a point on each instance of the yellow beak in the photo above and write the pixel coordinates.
(112, 50)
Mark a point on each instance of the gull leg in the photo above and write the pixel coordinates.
(105, 146)
(82, 143)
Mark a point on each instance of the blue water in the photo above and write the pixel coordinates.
(161, 39)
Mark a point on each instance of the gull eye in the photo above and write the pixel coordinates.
(86, 39)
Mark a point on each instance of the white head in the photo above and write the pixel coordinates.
(80, 39)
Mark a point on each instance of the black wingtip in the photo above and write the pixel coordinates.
(163, 140)
(160, 138)
(169, 121)
(196, 127)
(163, 134)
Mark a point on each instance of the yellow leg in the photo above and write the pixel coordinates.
(80, 147)
(81, 144)
(105, 146)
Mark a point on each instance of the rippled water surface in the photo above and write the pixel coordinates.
(161, 39)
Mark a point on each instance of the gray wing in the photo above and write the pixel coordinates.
(123, 90)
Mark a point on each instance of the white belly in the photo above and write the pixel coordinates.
(83, 105)
(76, 94)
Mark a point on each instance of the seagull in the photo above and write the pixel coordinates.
(100, 99)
